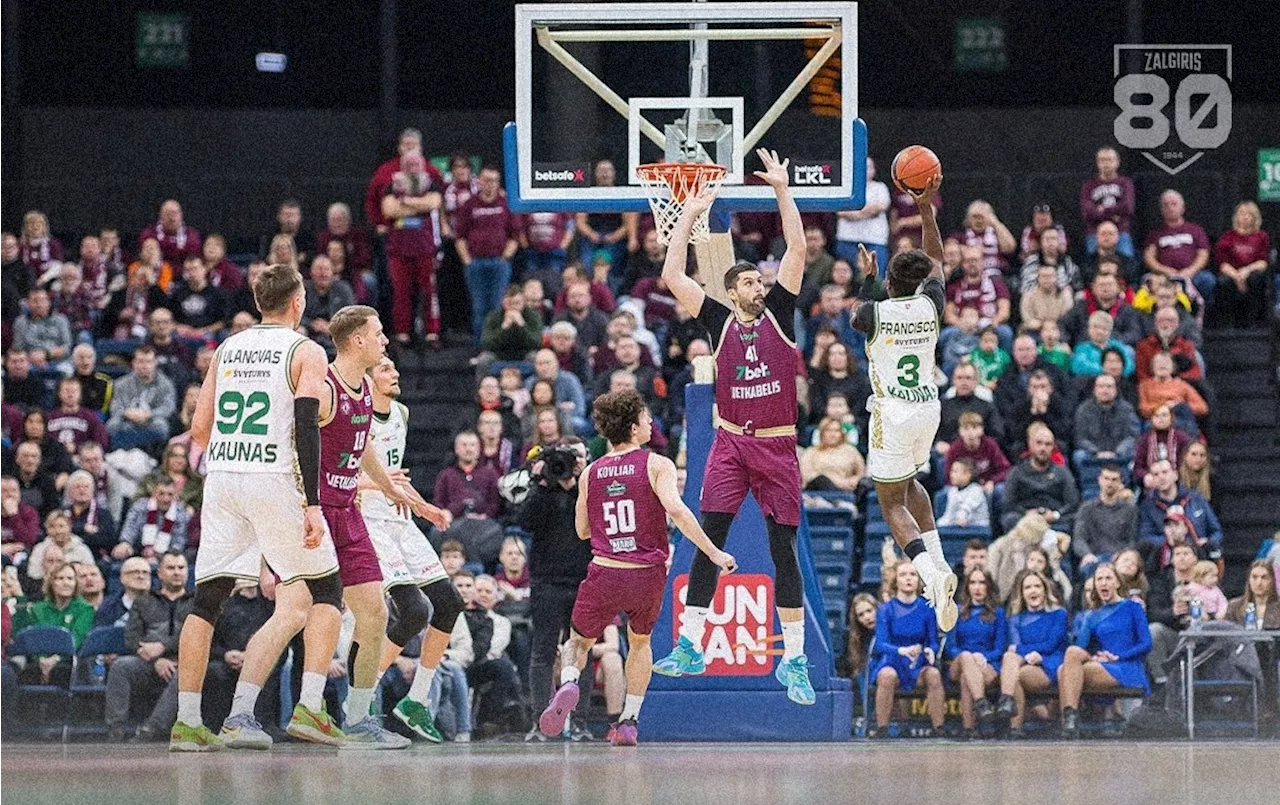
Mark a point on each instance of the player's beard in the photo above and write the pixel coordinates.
(751, 308)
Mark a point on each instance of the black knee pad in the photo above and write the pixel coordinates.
(445, 603)
(412, 612)
(788, 583)
(211, 594)
(326, 590)
(704, 574)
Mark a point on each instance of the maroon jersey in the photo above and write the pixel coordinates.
(755, 362)
(342, 442)
(628, 522)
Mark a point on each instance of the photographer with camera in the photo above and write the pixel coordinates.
(557, 558)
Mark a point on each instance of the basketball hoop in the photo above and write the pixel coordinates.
(669, 184)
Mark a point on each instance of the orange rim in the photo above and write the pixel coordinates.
(682, 177)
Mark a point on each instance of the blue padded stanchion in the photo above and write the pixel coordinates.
(738, 698)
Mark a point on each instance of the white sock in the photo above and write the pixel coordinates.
(312, 696)
(792, 639)
(189, 709)
(569, 673)
(359, 700)
(246, 698)
(933, 544)
(695, 625)
(632, 707)
(420, 690)
(924, 565)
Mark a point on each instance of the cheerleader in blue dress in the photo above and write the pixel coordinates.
(1038, 639)
(905, 651)
(1110, 648)
(976, 646)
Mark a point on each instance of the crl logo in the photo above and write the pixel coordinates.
(1198, 76)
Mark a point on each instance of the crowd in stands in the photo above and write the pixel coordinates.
(1076, 435)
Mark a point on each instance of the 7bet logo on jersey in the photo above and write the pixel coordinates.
(1175, 101)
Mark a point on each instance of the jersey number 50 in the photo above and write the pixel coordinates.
(619, 517)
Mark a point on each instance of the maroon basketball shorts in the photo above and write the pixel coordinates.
(766, 467)
(357, 559)
(606, 591)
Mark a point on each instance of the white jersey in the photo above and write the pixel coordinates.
(388, 438)
(900, 350)
(253, 402)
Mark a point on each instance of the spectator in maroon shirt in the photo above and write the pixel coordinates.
(409, 209)
(70, 423)
(989, 462)
(355, 239)
(93, 270)
(545, 239)
(289, 222)
(410, 140)
(488, 235)
(72, 298)
(115, 257)
(1180, 249)
(983, 229)
(466, 487)
(37, 247)
(223, 274)
(982, 290)
(1107, 197)
(177, 240)
(1041, 219)
(598, 293)
(173, 356)
(659, 304)
(459, 189)
(1241, 255)
(19, 522)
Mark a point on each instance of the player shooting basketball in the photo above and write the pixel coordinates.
(902, 335)
(755, 443)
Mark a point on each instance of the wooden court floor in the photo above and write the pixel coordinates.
(1096, 773)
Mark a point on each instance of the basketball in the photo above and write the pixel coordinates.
(914, 167)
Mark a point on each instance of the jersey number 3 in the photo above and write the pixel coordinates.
(909, 371)
(619, 517)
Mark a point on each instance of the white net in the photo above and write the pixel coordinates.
(669, 184)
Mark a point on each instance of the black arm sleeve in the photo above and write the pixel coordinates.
(713, 315)
(864, 318)
(936, 291)
(782, 304)
(306, 440)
